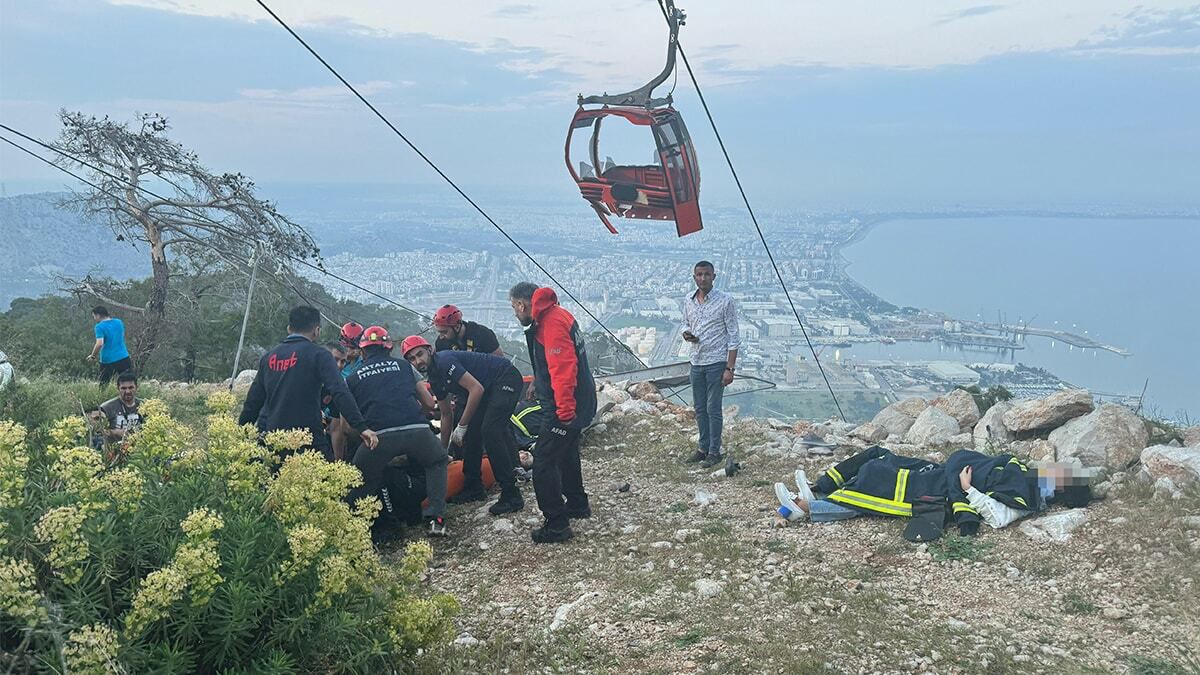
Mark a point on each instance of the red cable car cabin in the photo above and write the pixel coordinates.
(669, 190)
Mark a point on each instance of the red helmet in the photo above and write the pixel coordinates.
(412, 342)
(375, 336)
(447, 315)
(351, 333)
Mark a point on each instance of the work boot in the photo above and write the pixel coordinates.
(437, 526)
(712, 460)
(697, 456)
(545, 535)
(510, 502)
(470, 493)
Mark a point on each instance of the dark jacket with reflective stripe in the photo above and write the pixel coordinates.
(877, 481)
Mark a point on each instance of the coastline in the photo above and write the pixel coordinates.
(1088, 297)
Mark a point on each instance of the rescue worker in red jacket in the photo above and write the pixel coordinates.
(564, 386)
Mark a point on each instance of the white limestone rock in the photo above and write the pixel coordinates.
(960, 405)
(1050, 412)
(932, 428)
(1111, 436)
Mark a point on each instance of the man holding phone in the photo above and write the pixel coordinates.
(710, 326)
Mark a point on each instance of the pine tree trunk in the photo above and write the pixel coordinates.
(156, 308)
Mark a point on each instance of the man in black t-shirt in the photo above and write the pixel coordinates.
(121, 413)
(463, 336)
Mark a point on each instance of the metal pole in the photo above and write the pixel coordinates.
(245, 317)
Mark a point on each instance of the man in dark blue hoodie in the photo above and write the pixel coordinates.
(286, 392)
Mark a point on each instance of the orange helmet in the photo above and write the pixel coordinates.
(412, 342)
(447, 315)
(351, 333)
(375, 336)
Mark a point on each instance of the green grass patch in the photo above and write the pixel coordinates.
(677, 507)
(689, 638)
(959, 548)
(1077, 603)
(1188, 664)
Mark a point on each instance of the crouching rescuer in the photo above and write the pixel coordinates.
(391, 399)
(564, 386)
(490, 386)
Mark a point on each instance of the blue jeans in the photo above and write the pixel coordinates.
(824, 511)
(707, 392)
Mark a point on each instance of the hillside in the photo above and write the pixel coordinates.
(686, 571)
(56, 241)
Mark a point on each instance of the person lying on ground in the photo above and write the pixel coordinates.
(972, 487)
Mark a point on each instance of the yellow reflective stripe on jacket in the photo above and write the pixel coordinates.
(901, 485)
(516, 419)
(871, 503)
(1021, 501)
(963, 506)
(836, 476)
(1016, 461)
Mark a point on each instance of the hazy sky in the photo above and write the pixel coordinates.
(835, 103)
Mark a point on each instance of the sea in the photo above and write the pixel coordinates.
(1129, 282)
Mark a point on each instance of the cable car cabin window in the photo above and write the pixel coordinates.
(622, 144)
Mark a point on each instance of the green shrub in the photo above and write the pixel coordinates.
(178, 554)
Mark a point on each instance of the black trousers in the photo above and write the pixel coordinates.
(422, 448)
(489, 430)
(108, 370)
(558, 474)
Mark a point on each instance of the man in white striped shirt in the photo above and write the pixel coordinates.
(710, 326)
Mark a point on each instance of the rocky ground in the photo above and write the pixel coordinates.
(685, 571)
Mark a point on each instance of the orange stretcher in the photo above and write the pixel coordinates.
(455, 478)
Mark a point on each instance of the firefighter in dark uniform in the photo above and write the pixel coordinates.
(463, 336)
(489, 386)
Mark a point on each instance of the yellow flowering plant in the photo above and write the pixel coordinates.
(198, 551)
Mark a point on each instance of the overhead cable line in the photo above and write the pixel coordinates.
(761, 236)
(383, 118)
(198, 214)
(334, 317)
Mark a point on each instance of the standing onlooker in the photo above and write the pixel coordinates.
(710, 325)
(110, 345)
(286, 392)
(565, 389)
(7, 374)
(122, 412)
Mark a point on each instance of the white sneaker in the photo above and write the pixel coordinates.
(787, 503)
(805, 491)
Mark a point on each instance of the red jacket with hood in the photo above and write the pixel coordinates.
(561, 376)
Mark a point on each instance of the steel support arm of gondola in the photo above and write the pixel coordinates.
(640, 97)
